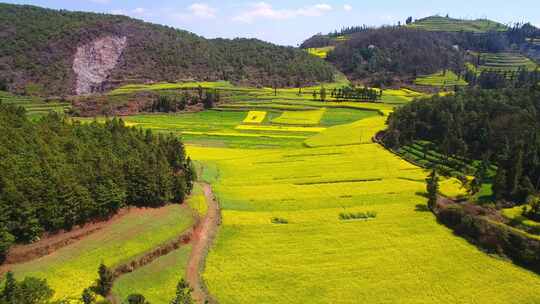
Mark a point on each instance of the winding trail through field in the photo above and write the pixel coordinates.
(202, 238)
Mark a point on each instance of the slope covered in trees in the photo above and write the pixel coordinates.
(39, 46)
(56, 174)
(499, 126)
(423, 47)
(394, 52)
(447, 24)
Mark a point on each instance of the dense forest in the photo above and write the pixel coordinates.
(394, 51)
(498, 126)
(389, 52)
(38, 47)
(56, 173)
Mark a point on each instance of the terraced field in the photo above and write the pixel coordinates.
(34, 106)
(505, 62)
(402, 255)
(283, 170)
(73, 268)
(300, 117)
(445, 24)
(321, 52)
(441, 79)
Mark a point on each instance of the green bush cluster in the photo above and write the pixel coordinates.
(278, 220)
(345, 216)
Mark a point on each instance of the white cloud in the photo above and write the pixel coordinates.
(138, 11)
(347, 7)
(263, 10)
(202, 10)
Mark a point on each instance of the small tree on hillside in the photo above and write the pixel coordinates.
(323, 94)
(10, 286)
(183, 293)
(136, 299)
(88, 297)
(105, 281)
(432, 189)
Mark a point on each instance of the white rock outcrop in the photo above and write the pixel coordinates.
(94, 62)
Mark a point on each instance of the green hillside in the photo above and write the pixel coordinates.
(35, 106)
(42, 44)
(446, 24)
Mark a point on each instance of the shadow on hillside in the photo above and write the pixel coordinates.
(421, 208)
(421, 194)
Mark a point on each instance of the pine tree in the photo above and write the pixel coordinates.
(323, 94)
(183, 293)
(432, 189)
(10, 288)
(88, 296)
(105, 281)
(499, 184)
(6, 240)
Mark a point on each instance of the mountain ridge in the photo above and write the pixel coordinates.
(40, 47)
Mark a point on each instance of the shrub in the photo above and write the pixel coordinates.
(278, 220)
(105, 281)
(344, 216)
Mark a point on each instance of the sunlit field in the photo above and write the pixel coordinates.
(441, 79)
(401, 256)
(35, 106)
(73, 268)
(285, 169)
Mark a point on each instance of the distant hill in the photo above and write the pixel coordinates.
(423, 47)
(386, 55)
(447, 24)
(47, 52)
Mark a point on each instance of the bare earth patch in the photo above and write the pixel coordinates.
(202, 238)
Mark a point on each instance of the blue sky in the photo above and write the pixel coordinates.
(290, 22)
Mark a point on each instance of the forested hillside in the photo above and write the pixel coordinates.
(498, 126)
(55, 174)
(46, 52)
(384, 53)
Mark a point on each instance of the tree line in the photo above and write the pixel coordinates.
(176, 103)
(56, 173)
(492, 79)
(349, 93)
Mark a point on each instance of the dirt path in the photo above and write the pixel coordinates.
(202, 238)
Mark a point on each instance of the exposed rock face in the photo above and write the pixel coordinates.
(94, 62)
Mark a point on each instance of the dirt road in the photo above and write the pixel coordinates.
(202, 238)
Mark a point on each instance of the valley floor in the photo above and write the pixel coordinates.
(286, 182)
(401, 256)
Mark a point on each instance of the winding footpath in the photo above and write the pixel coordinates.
(202, 237)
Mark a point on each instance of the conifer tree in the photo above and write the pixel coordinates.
(105, 280)
(183, 293)
(432, 189)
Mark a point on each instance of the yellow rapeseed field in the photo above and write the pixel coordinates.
(308, 118)
(401, 256)
(255, 117)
